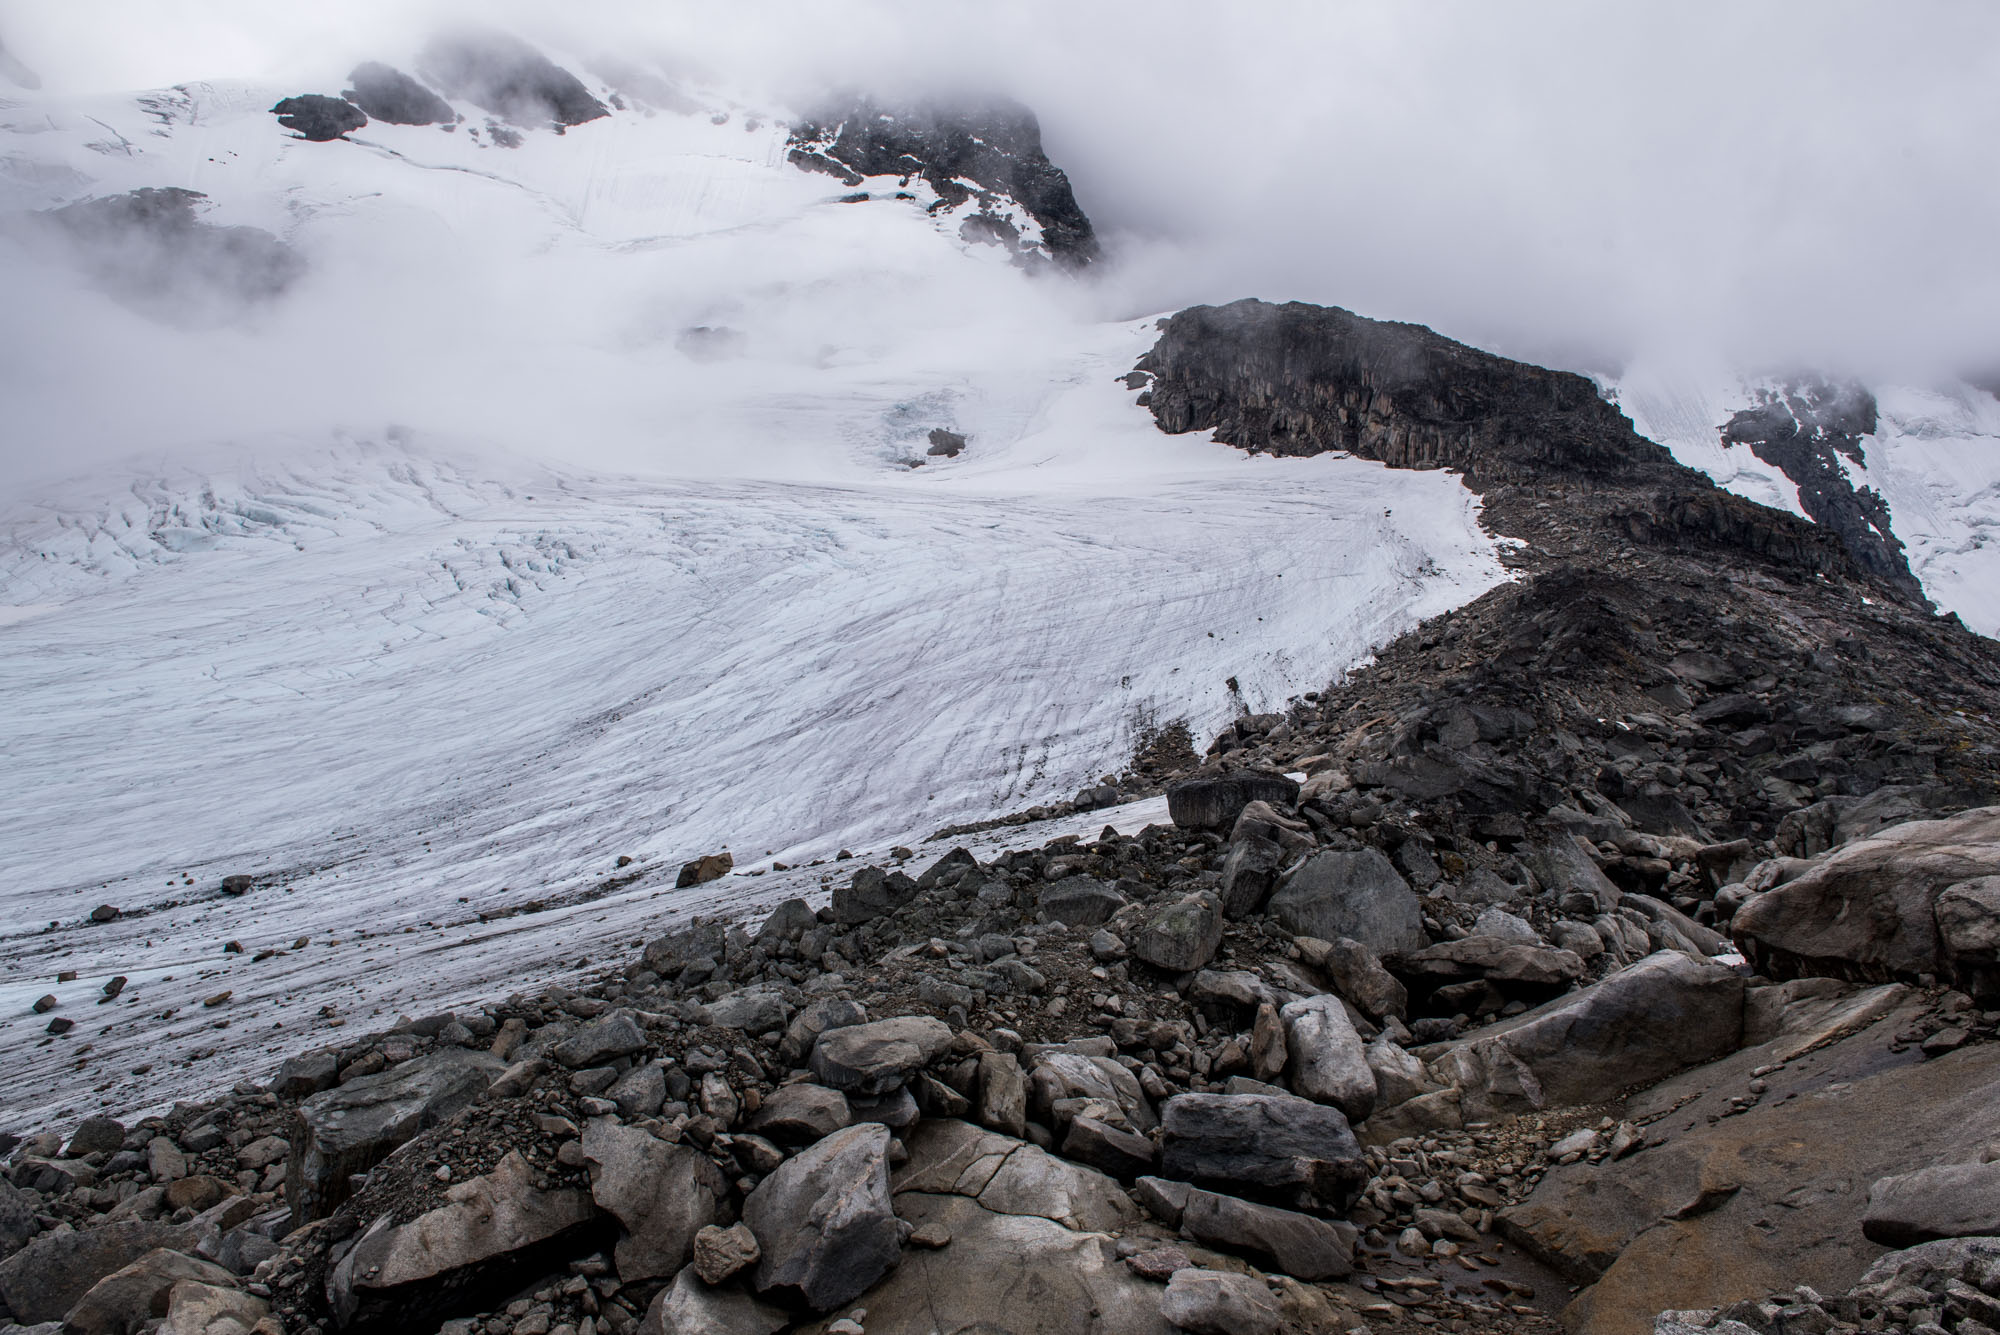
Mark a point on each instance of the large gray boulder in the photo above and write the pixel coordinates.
(1648, 1020)
(824, 1222)
(43, 1280)
(349, 1130)
(1215, 1302)
(1214, 804)
(754, 1010)
(1359, 895)
(1285, 1240)
(1009, 1176)
(603, 1040)
(1081, 901)
(1274, 1147)
(879, 1056)
(1250, 873)
(697, 943)
(870, 894)
(1328, 1063)
(1357, 974)
(1868, 910)
(126, 1299)
(1181, 937)
(1958, 1200)
(400, 1276)
(1563, 868)
(662, 1194)
(690, 1307)
(801, 1113)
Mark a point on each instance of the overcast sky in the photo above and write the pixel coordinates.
(1577, 183)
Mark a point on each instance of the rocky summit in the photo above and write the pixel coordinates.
(1616, 952)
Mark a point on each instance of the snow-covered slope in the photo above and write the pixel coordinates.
(644, 570)
(1933, 456)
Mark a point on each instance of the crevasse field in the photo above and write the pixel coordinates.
(564, 512)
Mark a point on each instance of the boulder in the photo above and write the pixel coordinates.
(823, 1220)
(640, 1092)
(601, 1041)
(96, 1135)
(1957, 1200)
(708, 867)
(1002, 1094)
(1115, 1150)
(1868, 910)
(128, 1298)
(1273, 1147)
(662, 1194)
(1297, 1244)
(1007, 1274)
(1493, 959)
(491, 1230)
(349, 1130)
(1181, 937)
(1356, 895)
(814, 1020)
(878, 1056)
(787, 923)
(801, 1113)
(1060, 1077)
(697, 943)
(1009, 1176)
(1563, 868)
(721, 1252)
(1327, 1062)
(870, 894)
(1081, 901)
(317, 117)
(1357, 975)
(44, 1279)
(1648, 1020)
(1214, 1302)
(754, 1010)
(1250, 873)
(1932, 1266)
(196, 1308)
(690, 1307)
(307, 1074)
(1214, 804)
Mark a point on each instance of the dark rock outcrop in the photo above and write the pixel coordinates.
(318, 117)
(998, 146)
(151, 250)
(509, 78)
(1804, 427)
(388, 94)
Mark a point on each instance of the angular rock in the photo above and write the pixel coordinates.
(878, 1056)
(1108, 1149)
(824, 1222)
(490, 1228)
(96, 1135)
(1214, 1302)
(1356, 895)
(814, 1020)
(349, 1130)
(1181, 937)
(601, 1041)
(43, 1280)
(690, 1307)
(1948, 1201)
(1357, 975)
(195, 1308)
(640, 1092)
(1563, 868)
(870, 894)
(1399, 1076)
(708, 867)
(1868, 910)
(754, 1010)
(1062, 1076)
(1297, 1244)
(801, 1113)
(1276, 1148)
(1081, 901)
(124, 1300)
(307, 1074)
(697, 943)
(721, 1252)
(1250, 873)
(17, 1219)
(1648, 1020)
(1493, 959)
(1327, 1062)
(788, 922)
(662, 1194)
(1214, 804)
(1003, 1094)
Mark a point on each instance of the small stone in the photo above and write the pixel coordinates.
(1160, 1263)
(61, 1026)
(45, 1004)
(106, 913)
(721, 1252)
(930, 1236)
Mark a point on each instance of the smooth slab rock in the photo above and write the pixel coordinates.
(1181, 937)
(663, 1195)
(489, 1228)
(196, 1308)
(1356, 895)
(879, 1056)
(126, 1299)
(1493, 958)
(1007, 1274)
(1297, 1244)
(349, 1130)
(1214, 1302)
(1284, 1150)
(823, 1219)
(1215, 804)
(754, 1010)
(1958, 1200)
(1648, 1020)
(43, 1280)
(1868, 910)
(1009, 1176)
(1327, 1060)
(690, 1307)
